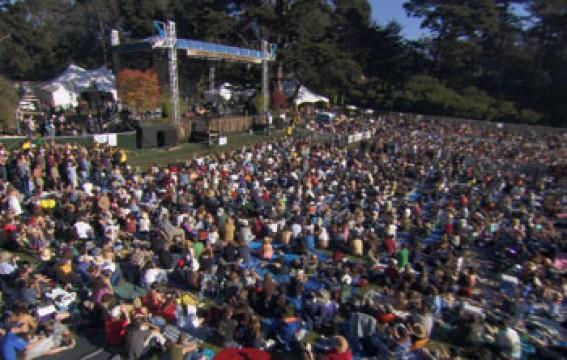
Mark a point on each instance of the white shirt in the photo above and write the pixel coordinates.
(88, 188)
(246, 233)
(296, 229)
(7, 268)
(138, 193)
(273, 227)
(323, 235)
(391, 230)
(82, 228)
(510, 340)
(14, 204)
(213, 237)
(151, 276)
(145, 224)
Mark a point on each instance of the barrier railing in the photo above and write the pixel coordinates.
(126, 140)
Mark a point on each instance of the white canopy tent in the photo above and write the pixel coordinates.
(57, 95)
(66, 88)
(305, 96)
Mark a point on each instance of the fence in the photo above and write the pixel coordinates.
(125, 140)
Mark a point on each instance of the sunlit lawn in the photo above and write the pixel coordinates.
(183, 152)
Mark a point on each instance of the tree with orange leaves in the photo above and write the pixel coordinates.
(279, 101)
(139, 89)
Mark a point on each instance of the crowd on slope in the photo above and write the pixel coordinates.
(421, 236)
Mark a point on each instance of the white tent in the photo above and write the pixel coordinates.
(304, 95)
(76, 80)
(58, 95)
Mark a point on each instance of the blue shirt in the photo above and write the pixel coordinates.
(402, 351)
(11, 345)
(310, 241)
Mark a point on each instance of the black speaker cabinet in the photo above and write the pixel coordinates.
(152, 136)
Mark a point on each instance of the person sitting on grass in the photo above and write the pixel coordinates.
(183, 349)
(115, 326)
(142, 338)
(58, 339)
(340, 350)
(289, 330)
(266, 251)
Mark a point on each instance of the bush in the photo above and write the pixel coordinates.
(529, 116)
(427, 95)
(477, 104)
(505, 111)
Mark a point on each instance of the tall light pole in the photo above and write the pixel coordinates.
(170, 41)
(265, 79)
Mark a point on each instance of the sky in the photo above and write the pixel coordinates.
(383, 11)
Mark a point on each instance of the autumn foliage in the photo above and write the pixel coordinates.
(139, 89)
(279, 101)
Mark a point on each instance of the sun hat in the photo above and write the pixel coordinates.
(418, 330)
(341, 344)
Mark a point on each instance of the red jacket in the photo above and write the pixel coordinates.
(347, 355)
(115, 332)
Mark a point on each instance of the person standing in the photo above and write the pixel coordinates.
(3, 162)
(269, 120)
(403, 257)
(509, 341)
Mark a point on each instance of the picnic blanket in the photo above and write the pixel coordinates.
(242, 354)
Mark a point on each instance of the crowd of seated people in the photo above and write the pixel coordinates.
(300, 248)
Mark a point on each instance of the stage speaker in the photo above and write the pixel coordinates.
(166, 138)
(152, 136)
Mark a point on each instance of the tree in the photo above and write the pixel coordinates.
(8, 103)
(500, 48)
(102, 15)
(44, 38)
(458, 28)
(352, 24)
(547, 78)
(279, 101)
(483, 58)
(139, 89)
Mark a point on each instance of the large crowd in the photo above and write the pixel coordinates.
(423, 241)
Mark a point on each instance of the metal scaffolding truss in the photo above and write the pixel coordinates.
(167, 39)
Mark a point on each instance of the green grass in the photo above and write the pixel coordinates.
(148, 157)
(27, 257)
